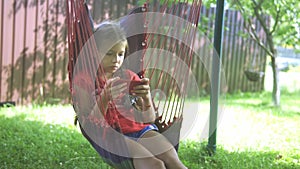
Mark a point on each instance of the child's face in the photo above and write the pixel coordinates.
(114, 58)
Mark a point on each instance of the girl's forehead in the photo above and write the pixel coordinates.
(120, 45)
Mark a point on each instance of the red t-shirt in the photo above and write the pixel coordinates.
(120, 115)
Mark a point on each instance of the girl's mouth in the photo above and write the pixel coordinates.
(114, 67)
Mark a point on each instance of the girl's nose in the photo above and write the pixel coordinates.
(115, 58)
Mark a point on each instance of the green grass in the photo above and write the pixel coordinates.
(251, 134)
(43, 137)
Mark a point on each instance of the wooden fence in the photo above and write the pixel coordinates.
(34, 54)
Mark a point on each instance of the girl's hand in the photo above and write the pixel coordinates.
(143, 92)
(111, 91)
(144, 101)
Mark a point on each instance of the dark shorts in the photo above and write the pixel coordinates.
(137, 135)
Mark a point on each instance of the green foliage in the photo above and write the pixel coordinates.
(280, 23)
(209, 3)
(141, 2)
(285, 22)
(205, 27)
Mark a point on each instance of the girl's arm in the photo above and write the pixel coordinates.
(144, 102)
(108, 93)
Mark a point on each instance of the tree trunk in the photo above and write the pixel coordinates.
(276, 87)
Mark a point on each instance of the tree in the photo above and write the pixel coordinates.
(283, 30)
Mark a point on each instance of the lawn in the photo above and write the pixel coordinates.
(251, 134)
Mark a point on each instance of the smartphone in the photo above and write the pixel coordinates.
(134, 83)
(130, 83)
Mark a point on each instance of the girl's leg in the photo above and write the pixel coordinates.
(142, 158)
(158, 145)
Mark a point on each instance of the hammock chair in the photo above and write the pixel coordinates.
(168, 76)
(253, 75)
(253, 70)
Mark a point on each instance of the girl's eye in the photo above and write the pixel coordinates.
(109, 53)
(121, 54)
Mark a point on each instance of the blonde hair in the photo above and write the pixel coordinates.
(107, 34)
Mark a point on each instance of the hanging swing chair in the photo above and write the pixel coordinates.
(168, 86)
(253, 76)
(252, 72)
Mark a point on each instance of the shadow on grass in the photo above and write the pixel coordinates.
(32, 144)
(195, 156)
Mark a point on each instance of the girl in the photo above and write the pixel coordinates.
(118, 104)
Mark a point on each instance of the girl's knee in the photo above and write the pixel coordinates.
(171, 160)
(145, 163)
(157, 163)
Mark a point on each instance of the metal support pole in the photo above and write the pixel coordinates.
(215, 78)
